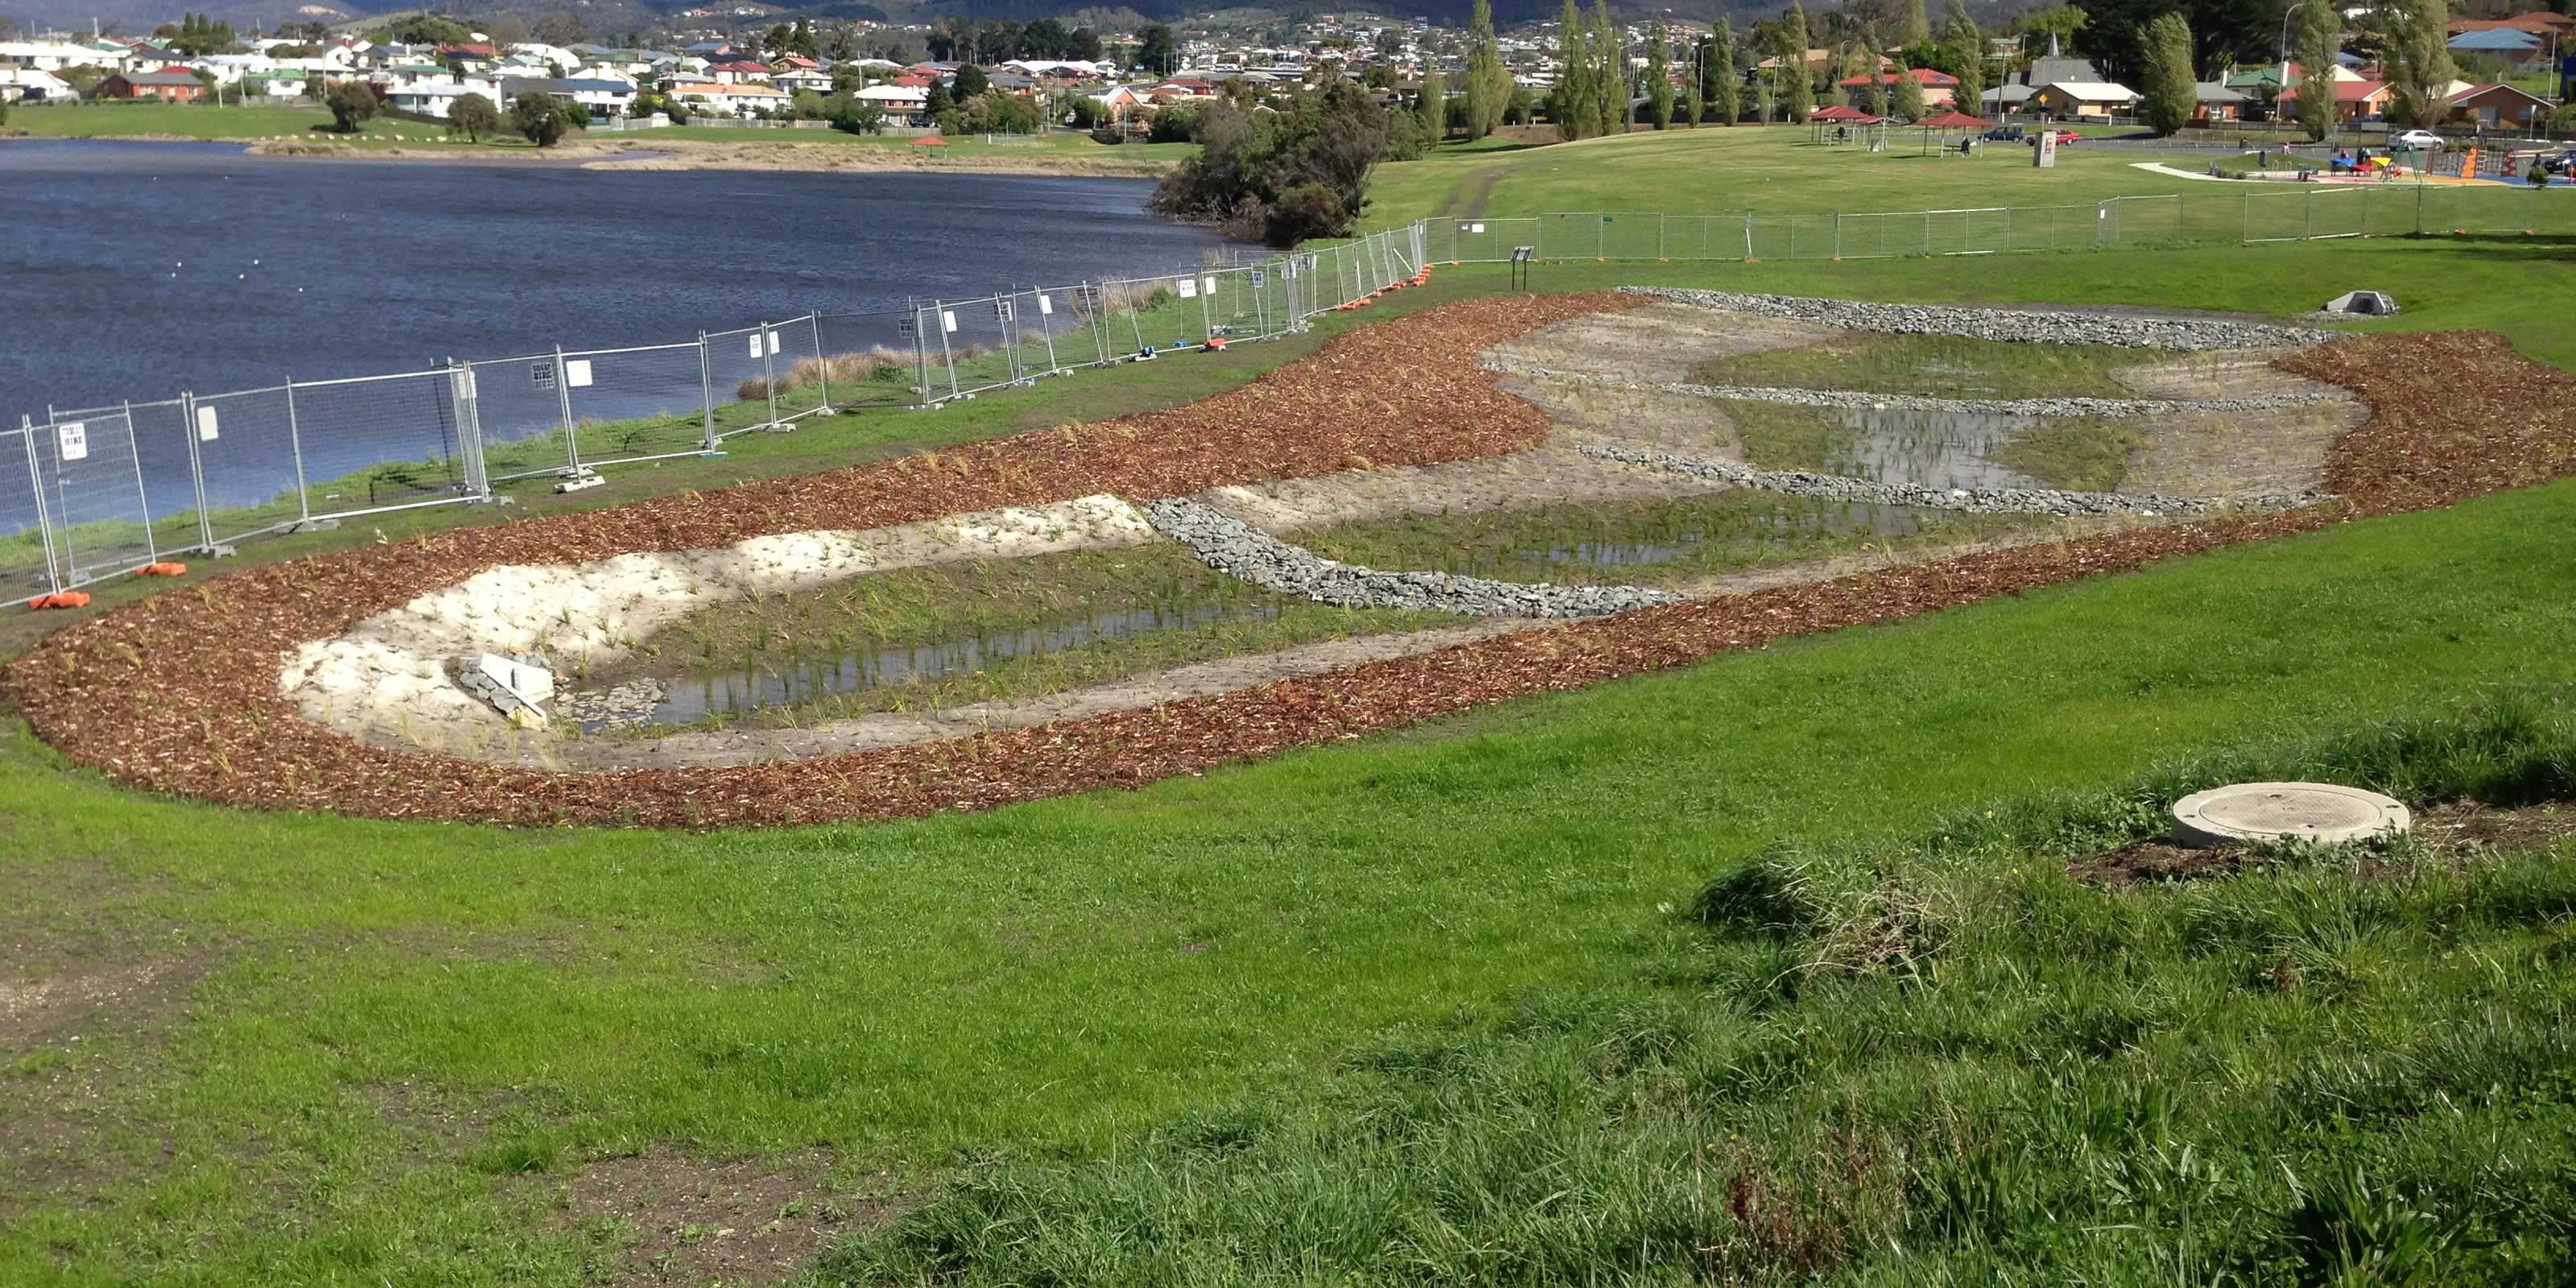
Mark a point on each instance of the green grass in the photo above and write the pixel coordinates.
(2083, 455)
(1765, 169)
(1647, 542)
(1927, 1057)
(1060, 975)
(208, 121)
(990, 604)
(364, 1050)
(1933, 365)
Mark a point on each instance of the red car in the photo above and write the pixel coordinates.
(2064, 137)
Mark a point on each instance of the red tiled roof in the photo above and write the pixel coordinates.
(1925, 76)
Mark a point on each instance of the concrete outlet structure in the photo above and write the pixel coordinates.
(2322, 812)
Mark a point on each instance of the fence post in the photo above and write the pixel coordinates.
(767, 338)
(142, 496)
(196, 471)
(822, 360)
(468, 398)
(939, 318)
(1748, 234)
(1207, 319)
(2419, 206)
(706, 398)
(1046, 330)
(295, 447)
(36, 487)
(563, 409)
(1838, 234)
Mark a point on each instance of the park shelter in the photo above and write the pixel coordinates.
(1945, 122)
(1839, 124)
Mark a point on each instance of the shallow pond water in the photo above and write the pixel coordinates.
(1932, 448)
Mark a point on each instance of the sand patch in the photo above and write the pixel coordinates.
(1515, 481)
(385, 679)
(1658, 344)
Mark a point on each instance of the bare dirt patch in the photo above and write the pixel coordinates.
(2225, 373)
(1689, 424)
(693, 1221)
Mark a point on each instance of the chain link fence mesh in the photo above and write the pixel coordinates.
(27, 564)
(102, 525)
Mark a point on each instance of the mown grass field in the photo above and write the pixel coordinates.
(1451, 972)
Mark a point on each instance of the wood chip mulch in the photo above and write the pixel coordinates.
(178, 693)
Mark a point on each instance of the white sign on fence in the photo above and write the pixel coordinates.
(1046, 307)
(755, 344)
(1189, 289)
(576, 372)
(773, 341)
(1475, 228)
(948, 320)
(71, 438)
(1208, 284)
(205, 424)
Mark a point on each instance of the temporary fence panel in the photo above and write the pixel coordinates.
(977, 335)
(2276, 216)
(739, 368)
(1068, 323)
(165, 461)
(875, 360)
(1568, 236)
(387, 442)
(2337, 212)
(94, 497)
(27, 556)
(519, 403)
(804, 385)
(637, 404)
(246, 453)
(1629, 234)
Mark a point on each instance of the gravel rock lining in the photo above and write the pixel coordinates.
(2016, 326)
(1862, 400)
(1979, 500)
(1238, 549)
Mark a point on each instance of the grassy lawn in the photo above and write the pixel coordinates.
(312, 1049)
(206, 121)
(1764, 169)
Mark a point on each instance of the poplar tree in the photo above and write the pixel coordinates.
(1571, 104)
(1659, 75)
(2171, 92)
(2419, 63)
(1799, 95)
(1610, 90)
(1726, 89)
(2319, 40)
(1489, 82)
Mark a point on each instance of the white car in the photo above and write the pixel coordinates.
(2424, 140)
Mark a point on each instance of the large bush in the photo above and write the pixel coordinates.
(1301, 171)
(544, 119)
(353, 103)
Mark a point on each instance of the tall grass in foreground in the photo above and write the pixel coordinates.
(1935, 1059)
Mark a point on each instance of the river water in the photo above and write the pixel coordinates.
(133, 271)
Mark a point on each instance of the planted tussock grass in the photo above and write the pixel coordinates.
(948, 635)
(1931, 1056)
(1653, 542)
(1937, 366)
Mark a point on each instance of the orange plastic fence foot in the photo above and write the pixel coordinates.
(162, 569)
(62, 599)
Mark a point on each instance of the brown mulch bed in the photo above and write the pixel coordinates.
(178, 693)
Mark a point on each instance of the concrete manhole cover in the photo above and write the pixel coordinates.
(2322, 812)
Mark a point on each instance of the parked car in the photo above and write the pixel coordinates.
(2004, 134)
(2563, 164)
(2425, 140)
(2064, 137)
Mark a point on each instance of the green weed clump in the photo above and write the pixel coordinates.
(1936, 1058)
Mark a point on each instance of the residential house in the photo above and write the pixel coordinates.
(2504, 44)
(2354, 98)
(27, 85)
(898, 102)
(604, 98)
(46, 55)
(737, 99)
(2213, 102)
(1121, 103)
(2538, 22)
(793, 80)
(471, 57)
(427, 89)
(738, 71)
(170, 85)
(2500, 107)
(275, 82)
(1940, 88)
(2071, 99)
